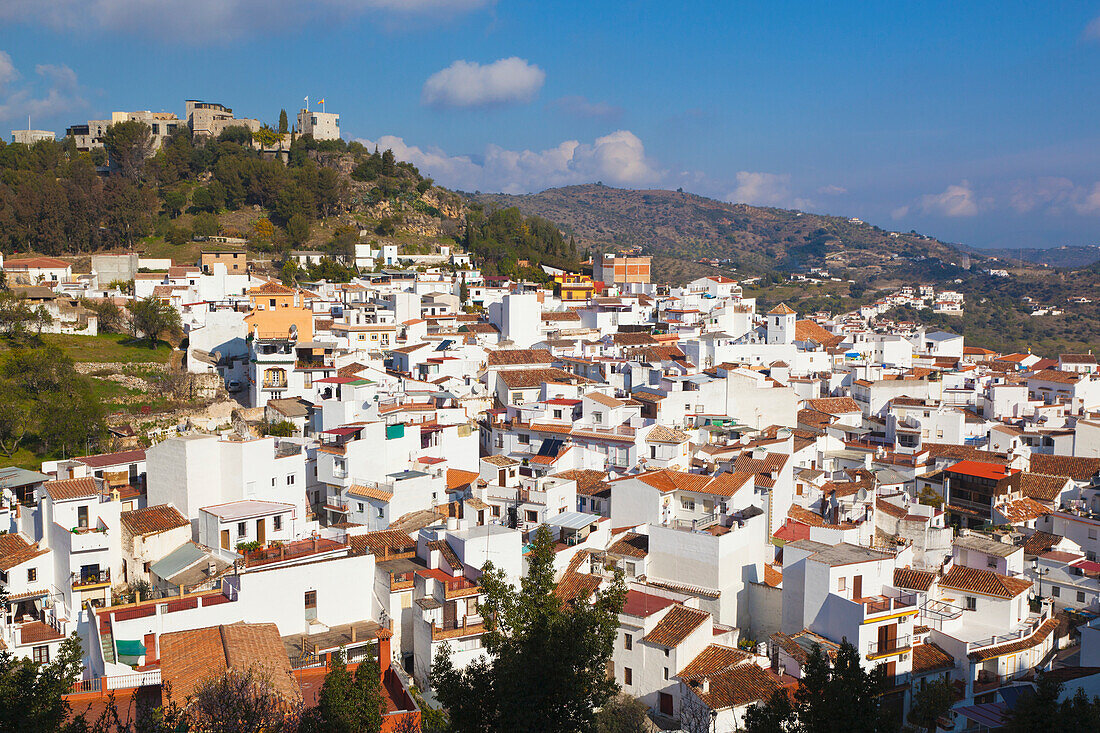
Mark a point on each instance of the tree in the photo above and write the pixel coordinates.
(241, 702)
(16, 417)
(108, 314)
(546, 663)
(31, 693)
(297, 229)
(128, 144)
(150, 318)
(18, 317)
(290, 272)
(206, 224)
(266, 137)
(175, 201)
(836, 697)
(623, 714)
(283, 125)
(1043, 712)
(930, 703)
(347, 702)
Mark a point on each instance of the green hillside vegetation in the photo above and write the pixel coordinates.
(674, 227)
(504, 237)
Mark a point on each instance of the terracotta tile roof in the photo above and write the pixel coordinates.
(385, 541)
(568, 315)
(738, 686)
(772, 576)
(986, 582)
(1035, 639)
(666, 480)
(1022, 510)
(1041, 487)
(1054, 375)
(665, 434)
(834, 405)
(656, 353)
(500, 461)
(912, 579)
(1074, 467)
(153, 519)
(888, 508)
(272, 287)
(1041, 542)
(190, 657)
(527, 378)
(512, 357)
(928, 657)
(36, 262)
(712, 660)
(805, 516)
(447, 552)
(797, 651)
(676, 625)
(639, 338)
(589, 480)
(602, 399)
(101, 460)
(14, 550)
(574, 585)
(807, 330)
(71, 488)
(631, 544)
(369, 492)
(782, 310)
(963, 452)
(456, 477)
(36, 631)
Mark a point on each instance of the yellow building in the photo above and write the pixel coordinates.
(572, 287)
(275, 309)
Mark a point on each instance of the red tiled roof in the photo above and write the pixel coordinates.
(153, 519)
(992, 471)
(676, 626)
(928, 657)
(986, 582)
(643, 605)
(71, 488)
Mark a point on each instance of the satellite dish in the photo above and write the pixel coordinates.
(861, 495)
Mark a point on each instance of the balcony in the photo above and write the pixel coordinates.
(989, 681)
(91, 579)
(1034, 621)
(886, 647)
(460, 587)
(468, 626)
(875, 605)
(84, 539)
(274, 383)
(335, 505)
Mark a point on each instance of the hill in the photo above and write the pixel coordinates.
(675, 227)
(1066, 256)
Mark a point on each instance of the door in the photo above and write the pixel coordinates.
(261, 531)
(666, 703)
(450, 615)
(225, 539)
(857, 587)
(501, 476)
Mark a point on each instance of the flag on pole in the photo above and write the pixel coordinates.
(307, 104)
(322, 100)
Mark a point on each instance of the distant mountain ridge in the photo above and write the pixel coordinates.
(685, 226)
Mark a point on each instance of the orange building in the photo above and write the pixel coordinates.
(275, 309)
(621, 269)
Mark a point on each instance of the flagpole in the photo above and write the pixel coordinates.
(307, 104)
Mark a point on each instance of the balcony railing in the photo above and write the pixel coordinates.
(469, 625)
(86, 579)
(987, 681)
(334, 505)
(274, 384)
(880, 647)
(1029, 628)
(883, 604)
(459, 587)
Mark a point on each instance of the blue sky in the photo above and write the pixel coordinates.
(975, 122)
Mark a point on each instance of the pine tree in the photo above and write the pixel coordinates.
(283, 122)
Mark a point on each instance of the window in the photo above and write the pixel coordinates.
(311, 599)
(242, 529)
(277, 522)
(494, 511)
(971, 603)
(1056, 591)
(1080, 596)
(290, 480)
(652, 451)
(666, 652)
(628, 676)
(1092, 534)
(991, 562)
(273, 482)
(597, 417)
(381, 513)
(666, 673)
(841, 585)
(631, 569)
(523, 438)
(41, 655)
(82, 516)
(688, 504)
(628, 642)
(531, 515)
(32, 575)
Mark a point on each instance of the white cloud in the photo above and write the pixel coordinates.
(1092, 30)
(469, 84)
(203, 21)
(832, 190)
(53, 92)
(761, 189)
(900, 213)
(1042, 192)
(8, 73)
(617, 158)
(957, 200)
(578, 106)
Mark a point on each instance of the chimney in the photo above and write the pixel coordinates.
(384, 636)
